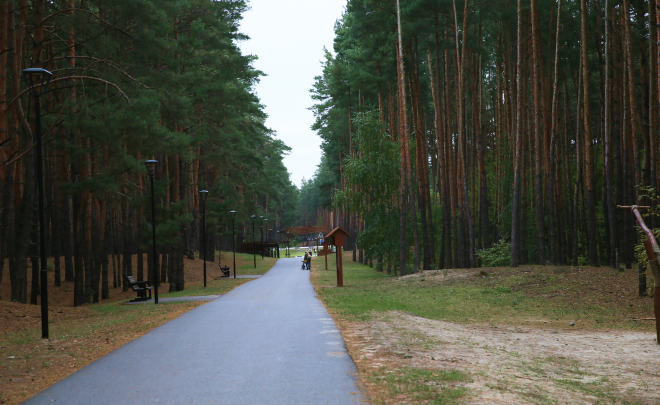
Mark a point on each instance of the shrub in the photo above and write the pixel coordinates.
(496, 256)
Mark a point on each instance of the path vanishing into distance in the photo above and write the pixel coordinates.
(269, 341)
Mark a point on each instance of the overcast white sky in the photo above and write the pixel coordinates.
(288, 37)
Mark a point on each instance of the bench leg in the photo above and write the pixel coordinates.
(141, 296)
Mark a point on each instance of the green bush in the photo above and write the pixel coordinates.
(496, 256)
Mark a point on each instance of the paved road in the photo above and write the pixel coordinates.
(269, 341)
(175, 299)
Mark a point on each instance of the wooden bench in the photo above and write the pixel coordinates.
(225, 271)
(140, 287)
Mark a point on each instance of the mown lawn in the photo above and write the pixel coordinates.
(540, 296)
(543, 297)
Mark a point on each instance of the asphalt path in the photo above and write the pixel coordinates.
(269, 341)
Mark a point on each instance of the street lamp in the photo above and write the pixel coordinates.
(254, 252)
(203, 194)
(233, 239)
(278, 244)
(37, 80)
(151, 168)
(261, 232)
(288, 244)
(270, 251)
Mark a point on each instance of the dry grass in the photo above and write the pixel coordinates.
(80, 335)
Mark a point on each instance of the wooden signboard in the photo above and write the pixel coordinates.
(337, 238)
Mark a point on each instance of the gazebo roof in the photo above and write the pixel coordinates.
(303, 230)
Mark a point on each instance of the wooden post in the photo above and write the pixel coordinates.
(340, 271)
(325, 250)
(653, 263)
(337, 238)
(652, 252)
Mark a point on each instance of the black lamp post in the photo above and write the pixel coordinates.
(263, 248)
(261, 232)
(233, 239)
(203, 194)
(151, 168)
(37, 80)
(254, 252)
(270, 250)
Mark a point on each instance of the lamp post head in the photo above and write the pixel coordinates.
(253, 217)
(203, 195)
(233, 213)
(37, 77)
(151, 166)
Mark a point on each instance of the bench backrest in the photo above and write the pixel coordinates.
(131, 283)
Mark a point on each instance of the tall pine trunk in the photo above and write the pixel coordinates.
(538, 143)
(403, 130)
(517, 180)
(588, 146)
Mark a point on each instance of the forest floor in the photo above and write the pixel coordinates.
(80, 335)
(497, 335)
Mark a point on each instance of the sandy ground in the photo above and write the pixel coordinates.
(513, 365)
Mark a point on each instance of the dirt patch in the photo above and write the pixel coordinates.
(441, 276)
(510, 365)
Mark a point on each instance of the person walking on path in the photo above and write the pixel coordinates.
(309, 259)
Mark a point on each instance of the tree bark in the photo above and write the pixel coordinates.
(403, 130)
(611, 215)
(517, 180)
(538, 143)
(588, 146)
